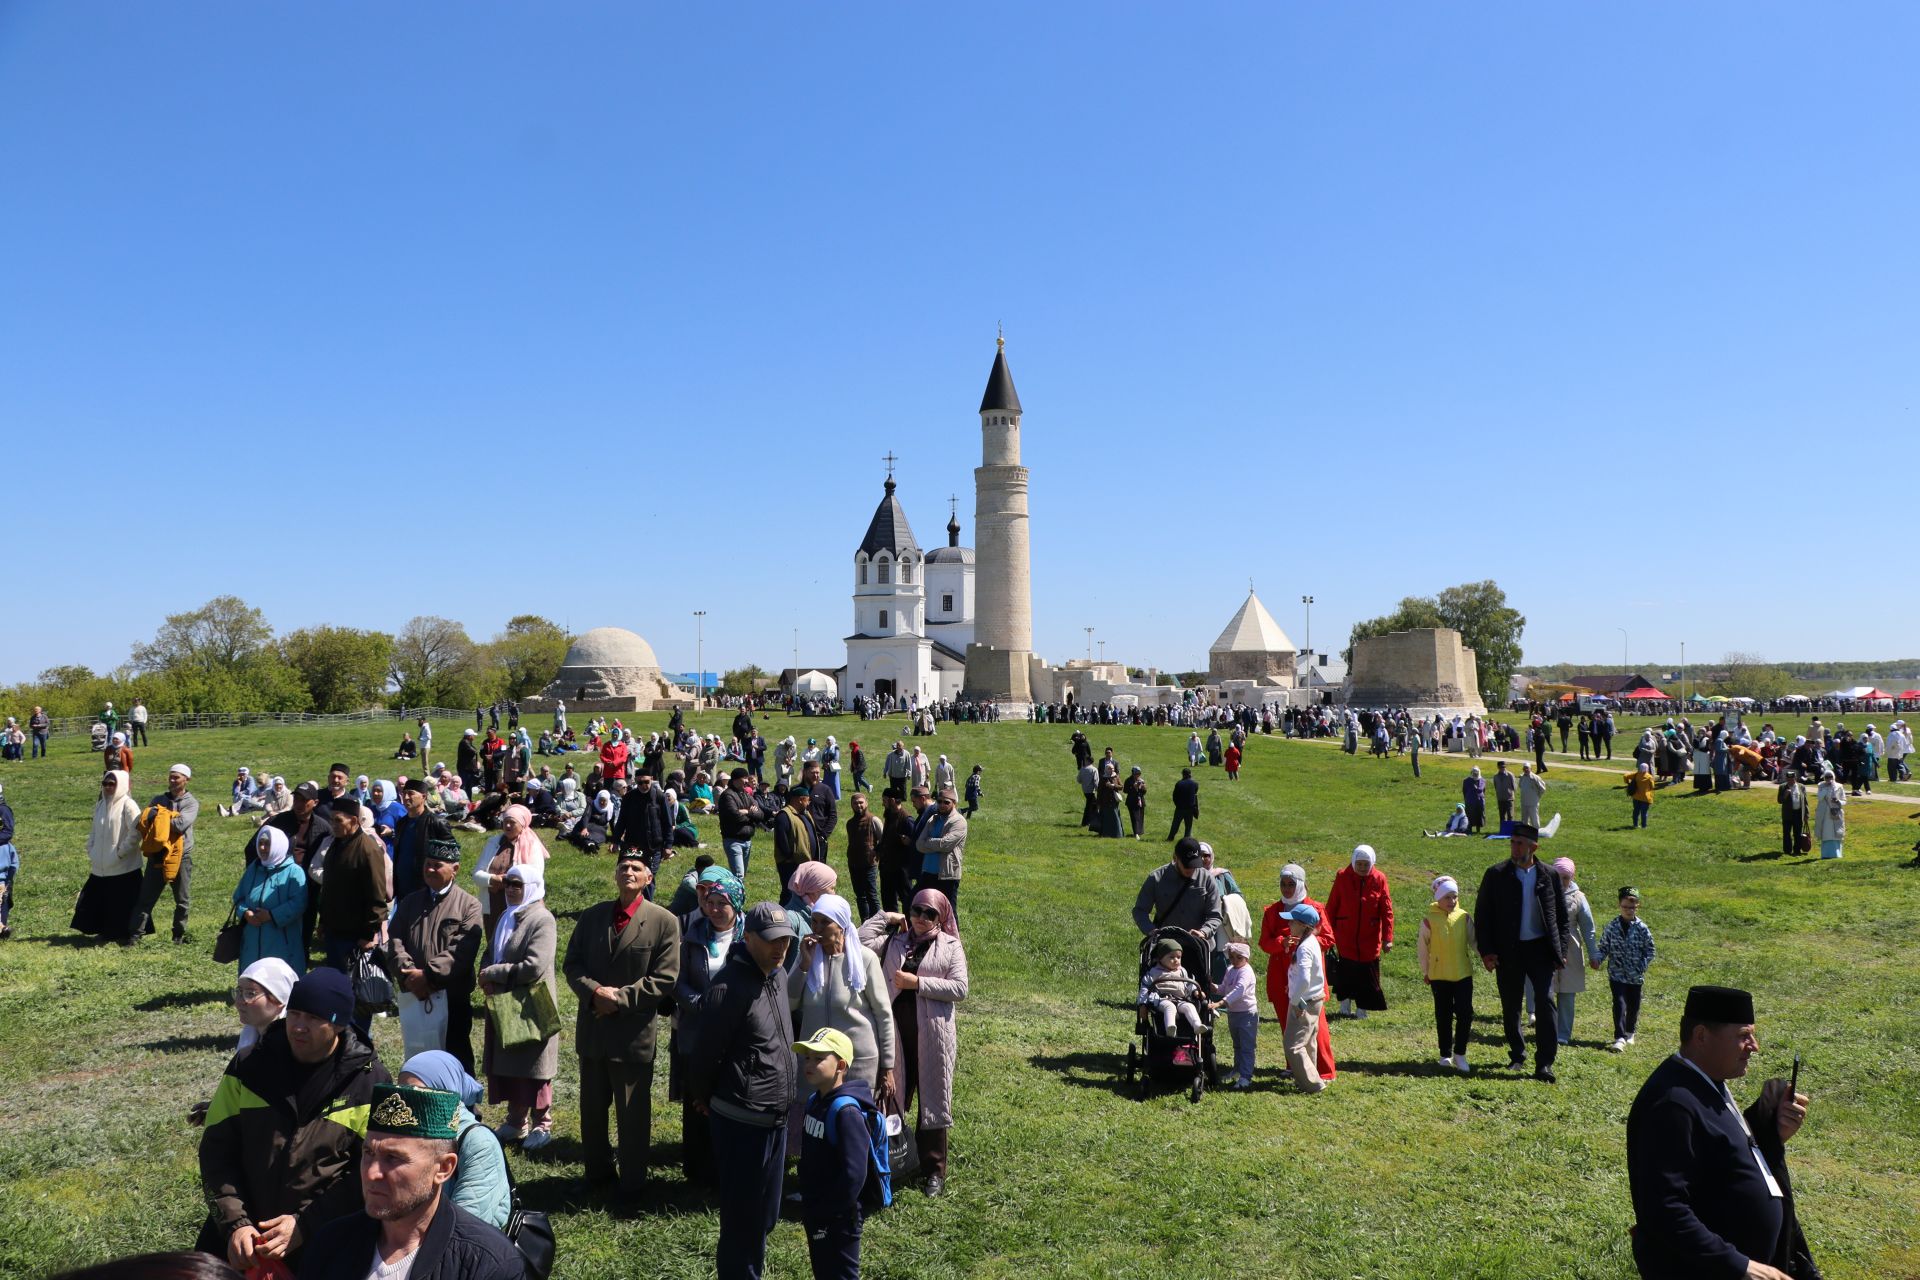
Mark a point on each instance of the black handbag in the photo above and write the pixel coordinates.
(226, 944)
(530, 1229)
(903, 1142)
(372, 988)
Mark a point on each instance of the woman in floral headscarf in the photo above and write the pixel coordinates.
(707, 935)
(843, 989)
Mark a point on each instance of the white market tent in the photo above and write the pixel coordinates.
(816, 684)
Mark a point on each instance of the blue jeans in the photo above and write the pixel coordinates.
(39, 743)
(1245, 1028)
(739, 853)
(749, 1162)
(1641, 808)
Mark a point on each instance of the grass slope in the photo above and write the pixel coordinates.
(1399, 1170)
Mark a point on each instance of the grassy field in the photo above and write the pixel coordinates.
(1398, 1170)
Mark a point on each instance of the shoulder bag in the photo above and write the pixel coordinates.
(226, 944)
(530, 1230)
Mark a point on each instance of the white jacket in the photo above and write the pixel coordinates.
(1307, 975)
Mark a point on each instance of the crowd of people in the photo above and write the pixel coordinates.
(801, 1026)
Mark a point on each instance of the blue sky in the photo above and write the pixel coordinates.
(1613, 304)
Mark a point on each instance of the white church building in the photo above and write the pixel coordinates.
(912, 612)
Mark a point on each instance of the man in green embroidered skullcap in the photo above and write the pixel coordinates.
(409, 1228)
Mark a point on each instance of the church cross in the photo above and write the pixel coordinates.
(889, 459)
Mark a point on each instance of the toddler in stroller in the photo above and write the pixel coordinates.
(1174, 1014)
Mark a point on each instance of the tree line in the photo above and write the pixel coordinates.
(225, 656)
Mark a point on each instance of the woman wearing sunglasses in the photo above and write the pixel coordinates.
(925, 969)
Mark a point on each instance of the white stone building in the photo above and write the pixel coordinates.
(892, 651)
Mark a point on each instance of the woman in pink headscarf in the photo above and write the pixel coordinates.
(926, 971)
(516, 845)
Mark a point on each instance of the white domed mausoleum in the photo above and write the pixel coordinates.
(610, 669)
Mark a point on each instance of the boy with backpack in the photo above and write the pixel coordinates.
(843, 1156)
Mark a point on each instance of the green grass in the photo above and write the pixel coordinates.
(1399, 1170)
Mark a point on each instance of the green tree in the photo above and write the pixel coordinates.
(343, 669)
(436, 664)
(220, 635)
(742, 680)
(1479, 612)
(64, 678)
(528, 654)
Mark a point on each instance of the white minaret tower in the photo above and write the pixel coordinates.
(1002, 648)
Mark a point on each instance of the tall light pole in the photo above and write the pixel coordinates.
(1623, 650)
(700, 657)
(1089, 631)
(1683, 671)
(1103, 651)
(1308, 601)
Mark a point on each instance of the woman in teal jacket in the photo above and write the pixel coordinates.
(270, 899)
(481, 1184)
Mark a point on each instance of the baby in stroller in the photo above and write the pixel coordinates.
(1168, 992)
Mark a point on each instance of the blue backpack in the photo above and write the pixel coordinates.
(877, 1192)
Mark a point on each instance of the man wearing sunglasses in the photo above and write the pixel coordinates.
(1181, 895)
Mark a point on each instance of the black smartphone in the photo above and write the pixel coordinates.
(1793, 1086)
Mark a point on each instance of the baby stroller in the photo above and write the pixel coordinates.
(98, 736)
(1182, 1060)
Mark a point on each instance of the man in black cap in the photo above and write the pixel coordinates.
(354, 892)
(436, 936)
(740, 1073)
(409, 1225)
(410, 837)
(278, 1157)
(1181, 895)
(1711, 1196)
(1520, 919)
(793, 833)
(646, 824)
(622, 962)
(739, 816)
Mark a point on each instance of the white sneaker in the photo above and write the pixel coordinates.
(1446, 1062)
(1619, 1046)
(537, 1139)
(1460, 1064)
(1629, 1039)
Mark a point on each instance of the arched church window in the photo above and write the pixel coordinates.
(886, 573)
(946, 604)
(906, 570)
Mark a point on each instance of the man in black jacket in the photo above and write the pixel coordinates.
(739, 817)
(825, 810)
(646, 824)
(1186, 805)
(740, 1073)
(1711, 1194)
(410, 1156)
(1520, 919)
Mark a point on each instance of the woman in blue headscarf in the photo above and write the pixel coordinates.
(480, 1184)
(707, 934)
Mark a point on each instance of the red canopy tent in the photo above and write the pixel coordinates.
(1641, 694)
(1910, 693)
(1872, 695)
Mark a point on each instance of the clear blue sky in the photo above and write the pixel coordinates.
(1314, 294)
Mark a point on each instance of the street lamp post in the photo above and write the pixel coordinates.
(1089, 631)
(700, 657)
(1683, 671)
(1623, 650)
(1103, 651)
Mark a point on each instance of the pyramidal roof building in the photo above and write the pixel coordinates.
(1252, 647)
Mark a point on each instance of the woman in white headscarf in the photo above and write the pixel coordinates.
(520, 953)
(1830, 813)
(1276, 939)
(569, 808)
(260, 997)
(942, 775)
(270, 901)
(844, 990)
(113, 861)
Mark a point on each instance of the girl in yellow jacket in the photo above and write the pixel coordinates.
(1446, 949)
(1640, 787)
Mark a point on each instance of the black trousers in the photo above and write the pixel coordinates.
(626, 1088)
(1793, 822)
(460, 1027)
(1180, 816)
(1087, 812)
(1139, 820)
(896, 886)
(749, 1162)
(137, 734)
(833, 1246)
(1453, 1015)
(152, 884)
(1530, 963)
(1626, 1008)
(1540, 757)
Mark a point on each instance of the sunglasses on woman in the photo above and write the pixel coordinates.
(925, 913)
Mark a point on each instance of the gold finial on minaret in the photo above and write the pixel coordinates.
(1002, 338)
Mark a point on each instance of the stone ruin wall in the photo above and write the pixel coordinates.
(1424, 670)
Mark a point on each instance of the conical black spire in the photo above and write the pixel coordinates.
(888, 531)
(1000, 397)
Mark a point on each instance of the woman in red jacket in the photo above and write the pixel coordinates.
(613, 759)
(1360, 908)
(1276, 939)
